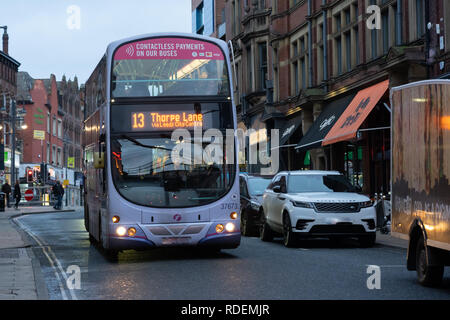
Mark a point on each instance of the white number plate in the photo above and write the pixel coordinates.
(170, 241)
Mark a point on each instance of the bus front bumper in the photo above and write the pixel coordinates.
(143, 240)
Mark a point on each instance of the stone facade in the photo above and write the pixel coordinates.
(317, 51)
(70, 107)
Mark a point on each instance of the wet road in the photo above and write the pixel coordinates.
(256, 270)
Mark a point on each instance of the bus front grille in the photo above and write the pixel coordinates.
(176, 229)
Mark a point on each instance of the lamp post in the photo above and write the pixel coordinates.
(13, 142)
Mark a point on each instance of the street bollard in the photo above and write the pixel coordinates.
(2, 201)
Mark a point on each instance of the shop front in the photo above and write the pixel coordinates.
(310, 145)
(360, 140)
(289, 134)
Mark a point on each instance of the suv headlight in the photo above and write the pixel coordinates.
(366, 204)
(255, 205)
(301, 204)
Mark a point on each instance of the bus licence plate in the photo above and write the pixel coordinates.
(176, 240)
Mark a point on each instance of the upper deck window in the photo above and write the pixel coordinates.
(169, 67)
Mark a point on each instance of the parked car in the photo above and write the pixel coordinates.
(252, 188)
(316, 204)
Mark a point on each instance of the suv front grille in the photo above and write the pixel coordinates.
(337, 207)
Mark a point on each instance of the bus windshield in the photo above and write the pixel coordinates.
(169, 67)
(142, 164)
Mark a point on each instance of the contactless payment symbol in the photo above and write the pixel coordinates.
(130, 50)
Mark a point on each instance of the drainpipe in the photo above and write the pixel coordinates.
(325, 46)
(310, 44)
(427, 39)
(399, 23)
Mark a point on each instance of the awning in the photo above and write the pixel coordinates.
(346, 127)
(289, 129)
(324, 122)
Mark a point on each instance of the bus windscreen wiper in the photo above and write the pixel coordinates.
(126, 137)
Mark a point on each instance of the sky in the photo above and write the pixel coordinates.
(47, 37)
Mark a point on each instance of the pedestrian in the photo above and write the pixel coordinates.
(58, 192)
(17, 195)
(6, 189)
(61, 194)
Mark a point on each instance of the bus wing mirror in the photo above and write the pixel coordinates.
(99, 160)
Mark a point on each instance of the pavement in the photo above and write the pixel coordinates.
(20, 275)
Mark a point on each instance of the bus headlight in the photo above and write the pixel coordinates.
(121, 231)
(131, 232)
(219, 228)
(229, 227)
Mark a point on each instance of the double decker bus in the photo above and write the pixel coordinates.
(137, 195)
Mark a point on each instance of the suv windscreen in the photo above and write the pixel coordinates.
(319, 183)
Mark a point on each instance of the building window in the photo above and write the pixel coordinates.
(53, 154)
(355, 11)
(59, 128)
(303, 67)
(261, 4)
(294, 49)
(199, 19)
(48, 153)
(238, 16)
(385, 30)
(302, 45)
(48, 122)
(275, 75)
(262, 49)
(347, 16)
(295, 75)
(337, 19)
(339, 55)
(59, 159)
(249, 69)
(374, 44)
(420, 18)
(357, 53)
(320, 64)
(348, 51)
(54, 126)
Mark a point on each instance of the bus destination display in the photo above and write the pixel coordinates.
(158, 120)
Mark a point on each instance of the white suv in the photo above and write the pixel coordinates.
(316, 204)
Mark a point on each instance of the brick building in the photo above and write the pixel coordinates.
(302, 63)
(39, 97)
(8, 89)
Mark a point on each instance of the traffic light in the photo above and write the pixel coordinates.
(29, 176)
(43, 173)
